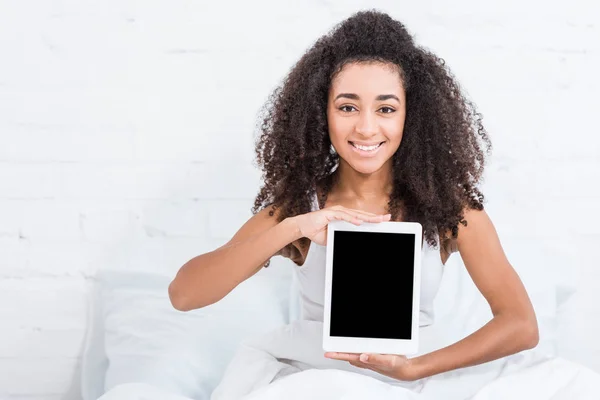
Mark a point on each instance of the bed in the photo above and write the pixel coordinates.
(139, 347)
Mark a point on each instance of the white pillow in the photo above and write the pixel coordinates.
(94, 362)
(146, 340)
(546, 274)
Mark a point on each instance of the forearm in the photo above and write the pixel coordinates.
(500, 337)
(209, 277)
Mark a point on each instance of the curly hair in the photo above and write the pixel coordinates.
(440, 159)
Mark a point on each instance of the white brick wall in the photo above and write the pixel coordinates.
(126, 134)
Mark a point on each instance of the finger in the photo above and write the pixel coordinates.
(387, 360)
(360, 211)
(373, 218)
(355, 218)
(342, 356)
(363, 213)
(356, 211)
(368, 218)
(359, 364)
(345, 216)
(371, 367)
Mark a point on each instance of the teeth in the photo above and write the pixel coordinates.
(366, 148)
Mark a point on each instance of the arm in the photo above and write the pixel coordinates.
(513, 327)
(209, 277)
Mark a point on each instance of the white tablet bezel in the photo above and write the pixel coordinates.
(373, 345)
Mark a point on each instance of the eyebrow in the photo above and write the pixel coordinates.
(354, 96)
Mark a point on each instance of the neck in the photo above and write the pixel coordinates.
(352, 184)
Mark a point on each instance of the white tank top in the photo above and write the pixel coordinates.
(310, 280)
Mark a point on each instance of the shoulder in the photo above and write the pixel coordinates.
(476, 223)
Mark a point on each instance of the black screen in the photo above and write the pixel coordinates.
(372, 284)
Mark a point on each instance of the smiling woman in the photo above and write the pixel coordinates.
(367, 127)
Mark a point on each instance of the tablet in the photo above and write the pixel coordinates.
(372, 287)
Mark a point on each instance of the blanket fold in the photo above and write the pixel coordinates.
(289, 363)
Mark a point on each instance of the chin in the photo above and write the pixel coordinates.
(366, 167)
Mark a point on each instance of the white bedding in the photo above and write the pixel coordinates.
(288, 363)
(154, 352)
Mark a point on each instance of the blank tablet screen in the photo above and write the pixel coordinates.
(372, 284)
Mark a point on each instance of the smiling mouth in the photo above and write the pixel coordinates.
(366, 151)
(366, 148)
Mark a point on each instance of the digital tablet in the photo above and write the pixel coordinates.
(372, 287)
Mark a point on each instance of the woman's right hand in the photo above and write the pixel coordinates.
(313, 225)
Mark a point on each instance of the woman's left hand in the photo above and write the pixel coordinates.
(392, 365)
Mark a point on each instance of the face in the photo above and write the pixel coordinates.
(365, 112)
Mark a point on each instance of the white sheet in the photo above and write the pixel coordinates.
(288, 363)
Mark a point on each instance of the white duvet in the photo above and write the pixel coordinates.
(289, 363)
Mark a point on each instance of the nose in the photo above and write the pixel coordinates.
(367, 124)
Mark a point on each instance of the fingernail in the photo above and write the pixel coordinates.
(364, 358)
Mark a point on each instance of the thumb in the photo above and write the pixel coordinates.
(388, 360)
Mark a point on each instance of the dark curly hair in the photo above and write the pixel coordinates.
(441, 156)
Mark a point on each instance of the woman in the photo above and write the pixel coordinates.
(370, 127)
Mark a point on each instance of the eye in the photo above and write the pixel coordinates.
(391, 110)
(346, 106)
